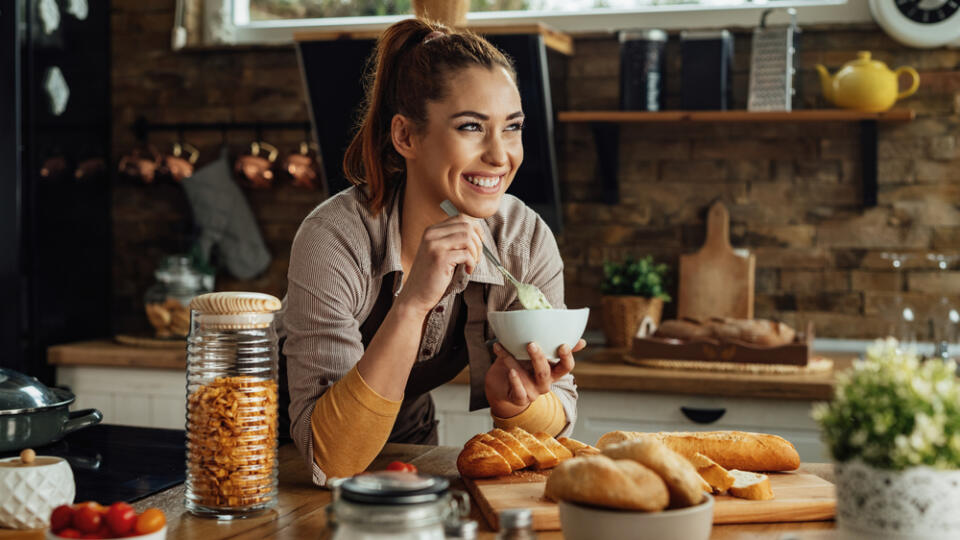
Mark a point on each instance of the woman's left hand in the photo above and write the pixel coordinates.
(511, 388)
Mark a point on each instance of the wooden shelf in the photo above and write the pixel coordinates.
(606, 134)
(553, 39)
(807, 115)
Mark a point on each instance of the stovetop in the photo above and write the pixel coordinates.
(120, 463)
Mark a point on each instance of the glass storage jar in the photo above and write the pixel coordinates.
(166, 302)
(396, 506)
(231, 405)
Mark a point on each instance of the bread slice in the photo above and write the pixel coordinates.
(685, 485)
(512, 458)
(558, 449)
(601, 481)
(518, 448)
(477, 460)
(578, 448)
(615, 437)
(545, 458)
(748, 485)
(716, 476)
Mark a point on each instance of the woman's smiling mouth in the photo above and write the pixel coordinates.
(482, 183)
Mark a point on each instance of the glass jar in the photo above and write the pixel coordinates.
(231, 405)
(396, 506)
(166, 301)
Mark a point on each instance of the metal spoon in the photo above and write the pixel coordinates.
(530, 296)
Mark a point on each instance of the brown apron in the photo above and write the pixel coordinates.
(416, 422)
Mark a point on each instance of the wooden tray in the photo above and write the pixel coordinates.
(797, 497)
(711, 350)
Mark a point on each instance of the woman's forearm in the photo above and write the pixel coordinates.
(388, 359)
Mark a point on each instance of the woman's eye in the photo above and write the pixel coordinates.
(515, 127)
(470, 126)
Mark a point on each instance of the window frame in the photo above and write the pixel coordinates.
(678, 17)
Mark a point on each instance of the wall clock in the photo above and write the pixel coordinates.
(919, 23)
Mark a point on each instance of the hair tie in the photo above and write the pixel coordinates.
(432, 36)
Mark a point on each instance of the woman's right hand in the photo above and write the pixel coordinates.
(453, 241)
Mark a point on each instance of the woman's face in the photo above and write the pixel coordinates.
(471, 147)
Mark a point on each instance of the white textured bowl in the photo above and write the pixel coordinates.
(548, 328)
(589, 523)
(158, 535)
(29, 494)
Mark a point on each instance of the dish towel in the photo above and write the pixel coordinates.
(225, 218)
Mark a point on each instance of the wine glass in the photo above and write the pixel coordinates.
(945, 315)
(904, 325)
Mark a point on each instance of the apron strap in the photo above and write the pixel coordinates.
(475, 333)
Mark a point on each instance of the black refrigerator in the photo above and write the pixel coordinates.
(55, 236)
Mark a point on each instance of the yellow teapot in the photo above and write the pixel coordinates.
(866, 85)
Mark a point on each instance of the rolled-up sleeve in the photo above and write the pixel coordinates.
(326, 282)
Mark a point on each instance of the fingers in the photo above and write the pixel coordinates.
(542, 376)
(517, 394)
(565, 365)
(580, 345)
(456, 233)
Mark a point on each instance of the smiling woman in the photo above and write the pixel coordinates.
(387, 296)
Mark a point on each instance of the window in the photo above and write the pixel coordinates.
(260, 21)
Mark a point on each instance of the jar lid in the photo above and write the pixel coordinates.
(235, 310)
(20, 393)
(393, 487)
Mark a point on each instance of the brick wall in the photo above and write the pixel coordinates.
(793, 190)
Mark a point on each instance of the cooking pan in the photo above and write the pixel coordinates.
(33, 414)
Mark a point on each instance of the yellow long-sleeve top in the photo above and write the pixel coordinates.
(351, 406)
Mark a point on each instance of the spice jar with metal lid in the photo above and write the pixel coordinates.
(231, 405)
(395, 505)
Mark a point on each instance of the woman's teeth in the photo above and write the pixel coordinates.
(483, 181)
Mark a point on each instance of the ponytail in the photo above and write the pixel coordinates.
(411, 65)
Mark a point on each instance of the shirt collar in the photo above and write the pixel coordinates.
(485, 272)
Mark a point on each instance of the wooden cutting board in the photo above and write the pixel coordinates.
(715, 281)
(797, 497)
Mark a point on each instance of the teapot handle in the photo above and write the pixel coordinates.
(913, 87)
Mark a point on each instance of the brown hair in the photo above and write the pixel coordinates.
(410, 66)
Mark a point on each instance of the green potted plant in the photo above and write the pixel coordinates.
(893, 429)
(633, 290)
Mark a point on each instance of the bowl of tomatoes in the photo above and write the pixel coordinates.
(93, 520)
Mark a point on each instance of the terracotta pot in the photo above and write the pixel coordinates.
(449, 12)
(622, 316)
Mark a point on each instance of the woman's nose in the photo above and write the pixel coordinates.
(496, 152)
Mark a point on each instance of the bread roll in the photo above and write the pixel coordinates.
(730, 449)
(601, 481)
(748, 485)
(683, 482)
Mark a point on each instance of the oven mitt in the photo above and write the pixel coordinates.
(225, 218)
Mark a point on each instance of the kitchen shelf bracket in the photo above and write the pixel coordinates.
(868, 162)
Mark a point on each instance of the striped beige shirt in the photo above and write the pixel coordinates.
(340, 256)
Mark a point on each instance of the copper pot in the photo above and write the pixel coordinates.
(302, 167)
(141, 164)
(256, 168)
(179, 165)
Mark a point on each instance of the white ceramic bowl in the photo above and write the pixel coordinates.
(548, 328)
(29, 494)
(581, 522)
(158, 535)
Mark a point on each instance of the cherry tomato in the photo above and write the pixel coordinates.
(401, 467)
(121, 518)
(68, 533)
(61, 517)
(151, 520)
(87, 518)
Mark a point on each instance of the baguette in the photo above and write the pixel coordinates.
(500, 452)
(601, 481)
(753, 486)
(684, 484)
(729, 449)
(718, 478)
(578, 448)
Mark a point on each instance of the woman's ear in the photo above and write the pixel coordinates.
(403, 137)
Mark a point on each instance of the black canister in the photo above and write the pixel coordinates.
(705, 77)
(641, 69)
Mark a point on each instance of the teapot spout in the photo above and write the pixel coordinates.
(826, 82)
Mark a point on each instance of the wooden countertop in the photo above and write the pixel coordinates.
(597, 368)
(301, 506)
(300, 512)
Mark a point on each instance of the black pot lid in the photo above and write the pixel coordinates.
(20, 393)
(393, 487)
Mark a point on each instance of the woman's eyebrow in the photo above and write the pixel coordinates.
(481, 116)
